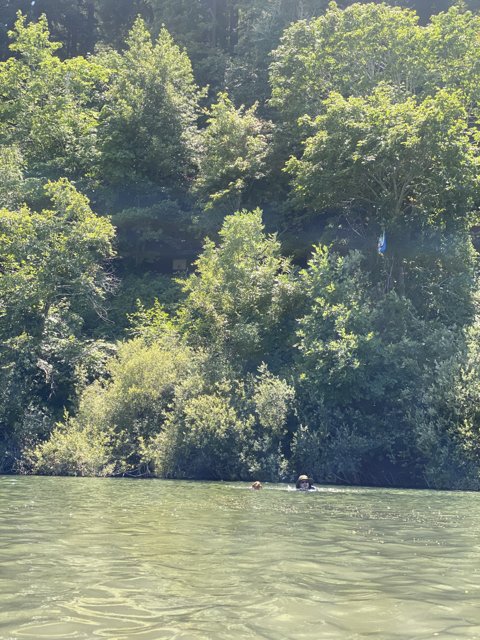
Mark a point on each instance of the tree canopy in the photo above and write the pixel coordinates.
(191, 196)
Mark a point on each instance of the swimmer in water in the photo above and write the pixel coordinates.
(304, 483)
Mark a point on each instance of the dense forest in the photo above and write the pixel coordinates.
(191, 200)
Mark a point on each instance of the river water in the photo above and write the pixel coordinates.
(151, 560)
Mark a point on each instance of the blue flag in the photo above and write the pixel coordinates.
(382, 244)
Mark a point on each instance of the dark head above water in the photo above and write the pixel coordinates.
(304, 483)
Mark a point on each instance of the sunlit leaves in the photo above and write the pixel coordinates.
(147, 126)
(233, 155)
(49, 108)
(403, 161)
(240, 297)
(349, 52)
(52, 268)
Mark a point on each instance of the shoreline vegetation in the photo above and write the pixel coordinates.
(190, 205)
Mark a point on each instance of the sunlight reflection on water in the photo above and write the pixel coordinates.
(147, 560)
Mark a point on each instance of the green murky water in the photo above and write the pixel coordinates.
(147, 560)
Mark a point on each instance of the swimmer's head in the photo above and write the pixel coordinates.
(304, 482)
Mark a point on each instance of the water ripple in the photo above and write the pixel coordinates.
(124, 560)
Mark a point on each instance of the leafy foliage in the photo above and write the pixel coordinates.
(49, 107)
(365, 359)
(237, 303)
(72, 450)
(352, 366)
(146, 127)
(52, 269)
(393, 159)
(350, 51)
(234, 153)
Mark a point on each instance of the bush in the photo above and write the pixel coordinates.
(74, 450)
(203, 438)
